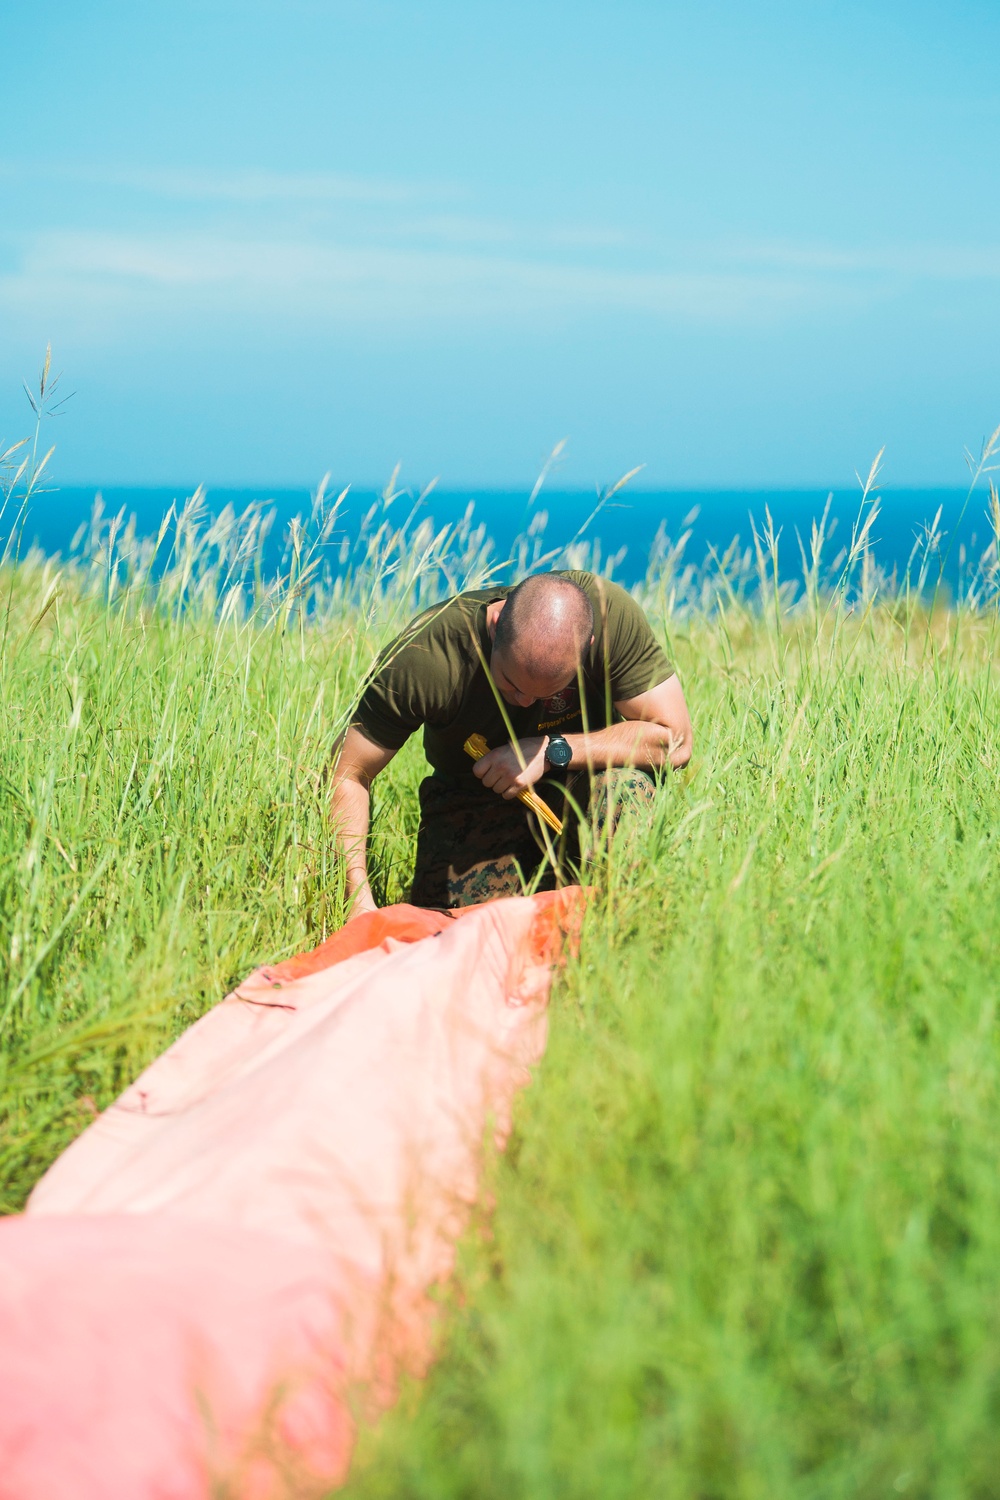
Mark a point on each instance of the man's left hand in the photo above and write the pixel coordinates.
(501, 769)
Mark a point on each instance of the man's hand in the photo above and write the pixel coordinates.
(502, 771)
(359, 761)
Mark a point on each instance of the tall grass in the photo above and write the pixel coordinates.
(746, 1239)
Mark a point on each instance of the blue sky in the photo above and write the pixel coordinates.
(741, 243)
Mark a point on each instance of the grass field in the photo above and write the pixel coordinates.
(746, 1240)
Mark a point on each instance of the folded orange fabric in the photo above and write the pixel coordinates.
(236, 1257)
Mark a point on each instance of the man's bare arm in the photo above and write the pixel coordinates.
(359, 760)
(656, 732)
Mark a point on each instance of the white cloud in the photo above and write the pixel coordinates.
(218, 218)
(331, 281)
(394, 211)
(388, 255)
(932, 262)
(242, 187)
(472, 229)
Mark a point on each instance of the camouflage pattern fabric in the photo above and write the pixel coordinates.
(474, 845)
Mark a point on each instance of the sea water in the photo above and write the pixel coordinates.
(625, 527)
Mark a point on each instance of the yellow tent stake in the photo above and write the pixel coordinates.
(477, 747)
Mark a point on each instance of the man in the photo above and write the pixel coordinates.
(564, 679)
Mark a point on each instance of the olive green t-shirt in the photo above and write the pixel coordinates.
(433, 676)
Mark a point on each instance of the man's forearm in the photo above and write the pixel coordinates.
(634, 742)
(351, 803)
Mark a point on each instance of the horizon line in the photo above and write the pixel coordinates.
(415, 492)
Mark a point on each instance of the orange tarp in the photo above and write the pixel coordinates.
(235, 1258)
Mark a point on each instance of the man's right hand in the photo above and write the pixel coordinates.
(513, 769)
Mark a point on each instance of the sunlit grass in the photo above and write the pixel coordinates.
(746, 1237)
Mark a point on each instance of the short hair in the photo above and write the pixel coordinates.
(546, 619)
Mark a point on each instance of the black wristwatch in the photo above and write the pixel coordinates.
(558, 752)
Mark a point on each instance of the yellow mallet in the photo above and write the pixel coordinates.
(477, 747)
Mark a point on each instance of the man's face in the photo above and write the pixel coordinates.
(519, 688)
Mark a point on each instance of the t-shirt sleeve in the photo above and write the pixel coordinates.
(636, 661)
(391, 705)
(412, 683)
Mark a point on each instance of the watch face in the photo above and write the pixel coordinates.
(559, 752)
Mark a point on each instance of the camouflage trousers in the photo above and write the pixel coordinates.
(473, 845)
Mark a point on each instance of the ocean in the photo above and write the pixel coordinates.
(625, 527)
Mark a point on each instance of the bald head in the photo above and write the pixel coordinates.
(543, 631)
